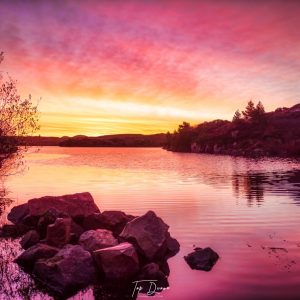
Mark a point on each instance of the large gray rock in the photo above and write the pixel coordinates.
(68, 271)
(28, 258)
(92, 240)
(148, 233)
(31, 238)
(202, 259)
(59, 233)
(75, 205)
(119, 262)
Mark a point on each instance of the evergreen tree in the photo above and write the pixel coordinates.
(237, 116)
(260, 108)
(249, 111)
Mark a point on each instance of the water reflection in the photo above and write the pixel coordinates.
(253, 186)
(6, 168)
(15, 284)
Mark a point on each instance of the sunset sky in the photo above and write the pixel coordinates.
(105, 67)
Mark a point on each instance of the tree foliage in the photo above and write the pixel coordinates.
(237, 117)
(254, 113)
(18, 117)
(249, 111)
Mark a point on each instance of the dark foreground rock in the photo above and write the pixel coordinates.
(59, 233)
(148, 233)
(202, 259)
(69, 244)
(13, 230)
(118, 262)
(31, 238)
(39, 251)
(92, 240)
(112, 220)
(75, 205)
(70, 269)
(152, 271)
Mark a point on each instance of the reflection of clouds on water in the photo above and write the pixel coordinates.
(253, 186)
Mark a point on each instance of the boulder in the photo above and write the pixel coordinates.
(115, 220)
(31, 238)
(14, 230)
(28, 258)
(59, 233)
(76, 206)
(92, 222)
(202, 259)
(148, 233)
(48, 218)
(112, 220)
(18, 213)
(119, 262)
(76, 232)
(92, 240)
(172, 246)
(152, 279)
(68, 271)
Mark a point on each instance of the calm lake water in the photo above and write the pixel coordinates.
(247, 210)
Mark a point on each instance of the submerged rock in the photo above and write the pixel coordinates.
(28, 258)
(92, 240)
(202, 259)
(148, 233)
(31, 238)
(68, 271)
(119, 262)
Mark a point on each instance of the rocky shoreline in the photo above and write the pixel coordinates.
(69, 245)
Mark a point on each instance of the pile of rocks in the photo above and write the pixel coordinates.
(69, 244)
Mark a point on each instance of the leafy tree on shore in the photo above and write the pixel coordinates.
(18, 117)
(181, 138)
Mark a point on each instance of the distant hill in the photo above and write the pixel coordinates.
(274, 133)
(117, 140)
(43, 140)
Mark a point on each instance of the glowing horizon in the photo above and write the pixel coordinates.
(146, 66)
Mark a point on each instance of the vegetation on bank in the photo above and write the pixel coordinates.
(252, 132)
(18, 117)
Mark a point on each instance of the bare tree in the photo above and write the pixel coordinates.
(18, 117)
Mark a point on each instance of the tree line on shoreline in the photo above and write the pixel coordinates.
(252, 132)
